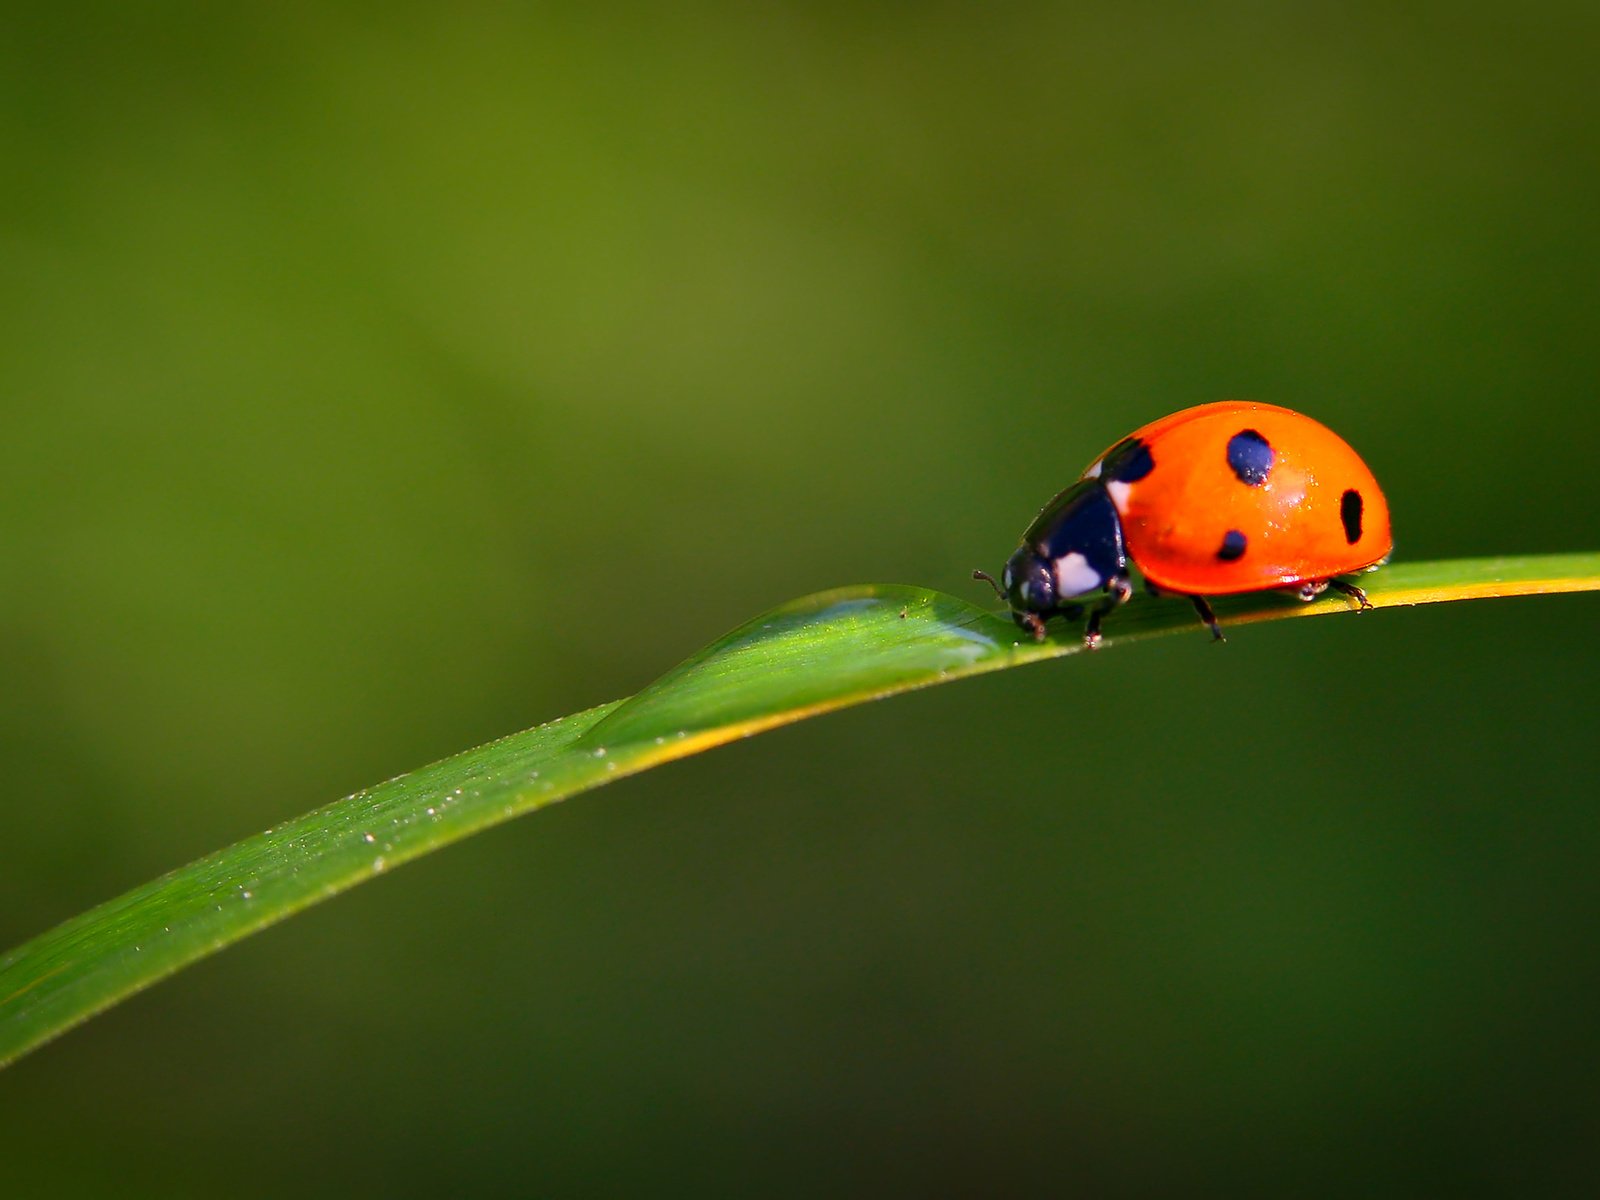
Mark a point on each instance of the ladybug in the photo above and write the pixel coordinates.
(1211, 501)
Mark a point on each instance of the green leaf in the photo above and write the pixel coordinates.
(811, 656)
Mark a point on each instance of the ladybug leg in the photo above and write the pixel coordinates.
(1033, 623)
(1351, 590)
(1310, 591)
(1209, 617)
(1118, 589)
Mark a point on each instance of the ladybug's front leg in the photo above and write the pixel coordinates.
(1118, 589)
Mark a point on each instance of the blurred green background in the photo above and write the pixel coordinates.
(382, 379)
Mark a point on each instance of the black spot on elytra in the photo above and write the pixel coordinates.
(1250, 456)
(1350, 514)
(1233, 546)
(1128, 462)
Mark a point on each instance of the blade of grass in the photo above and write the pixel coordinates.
(811, 656)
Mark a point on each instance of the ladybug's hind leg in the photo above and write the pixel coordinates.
(1351, 590)
(1209, 617)
(1118, 589)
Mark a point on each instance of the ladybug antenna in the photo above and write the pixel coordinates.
(989, 579)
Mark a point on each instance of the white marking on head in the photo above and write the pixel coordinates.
(1005, 578)
(1094, 471)
(1118, 491)
(1074, 575)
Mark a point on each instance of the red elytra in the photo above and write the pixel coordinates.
(1296, 522)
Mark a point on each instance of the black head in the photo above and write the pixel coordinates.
(1029, 584)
